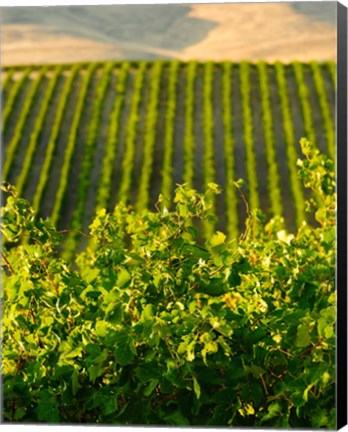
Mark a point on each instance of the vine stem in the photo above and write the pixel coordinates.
(8, 263)
(66, 231)
(311, 348)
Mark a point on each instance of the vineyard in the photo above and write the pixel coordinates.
(163, 319)
(77, 138)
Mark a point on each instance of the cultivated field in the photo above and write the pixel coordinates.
(80, 137)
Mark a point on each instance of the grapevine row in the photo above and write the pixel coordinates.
(131, 133)
(15, 90)
(39, 123)
(305, 105)
(149, 138)
(189, 139)
(273, 180)
(87, 161)
(208, 131)
(51, 145)
(291, 153)
(167, 170)
(104, 188)
(18, 133)
(332, 69)
(325, 109)
(229, 149)
(248, 135)
(6, 83)
(63, 180)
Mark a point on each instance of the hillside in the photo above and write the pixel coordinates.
(272, 31)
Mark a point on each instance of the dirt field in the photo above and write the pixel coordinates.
(273, 31)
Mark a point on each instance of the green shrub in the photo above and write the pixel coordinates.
(151, 327)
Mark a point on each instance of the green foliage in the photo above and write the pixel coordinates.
(153, 327)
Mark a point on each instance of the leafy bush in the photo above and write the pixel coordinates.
(151, 327)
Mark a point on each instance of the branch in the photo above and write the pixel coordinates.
(7, 263)
(74, 231)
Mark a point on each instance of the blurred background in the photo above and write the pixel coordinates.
(237, 31)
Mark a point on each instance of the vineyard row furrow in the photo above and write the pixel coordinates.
(248, 136)
(189, 138)
(208, 138)
(104, 188)
(63, 180)
(87, 161)
(273, 179)
(291, 152)
(325, 109)
(35, 134)
(149, 138)
(167, 169)
(14, 92)
(229, 149)
(44, 173)
(131, 134)
(18, 133)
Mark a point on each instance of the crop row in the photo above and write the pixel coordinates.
(325, 109)
(254, 80)
(35, 134)
(229, 144)
(291, 151)
(14, 92)
(18, 133)
(305, 104)
(6, 82)
(63, 180)
(44, 173)
(149, 138)
(105, 188)
(248, 136)
(131, 134)
(189, 138)
(87, 161)
(273, 180)
(208, 138)
(168, 144)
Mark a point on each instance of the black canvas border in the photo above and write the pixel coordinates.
(341, 140)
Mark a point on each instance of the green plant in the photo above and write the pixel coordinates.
(155, 328)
